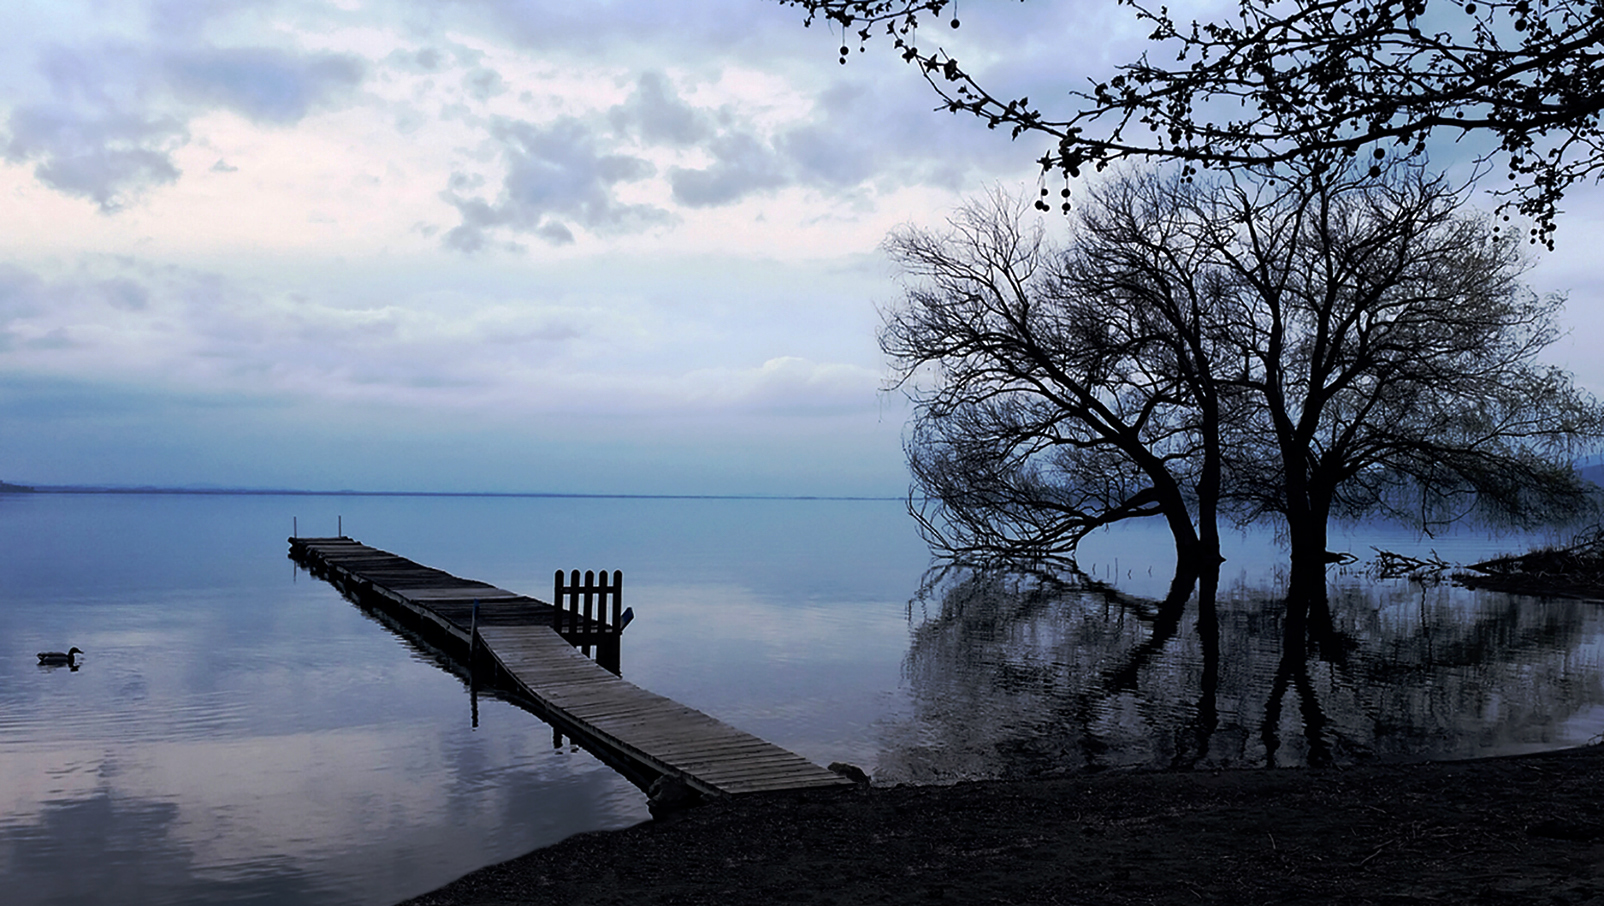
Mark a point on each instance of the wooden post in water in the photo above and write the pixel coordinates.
(608, 653)
(473, 646)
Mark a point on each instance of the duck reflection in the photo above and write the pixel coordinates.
(1034, 671)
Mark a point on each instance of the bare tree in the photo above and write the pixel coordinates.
(1332, 345)
(1057, 391)
(1295, 81)
(1142, 246)
(1392, 354)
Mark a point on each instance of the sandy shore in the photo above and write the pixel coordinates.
(1522, 830)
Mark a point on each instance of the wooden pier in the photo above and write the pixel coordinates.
(515, 639)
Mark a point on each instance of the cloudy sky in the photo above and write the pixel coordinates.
(492, 245)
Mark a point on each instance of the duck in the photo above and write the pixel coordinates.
(56, 658)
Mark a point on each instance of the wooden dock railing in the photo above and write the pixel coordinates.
(580, 613)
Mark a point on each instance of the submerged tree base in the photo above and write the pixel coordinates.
(1523, 830)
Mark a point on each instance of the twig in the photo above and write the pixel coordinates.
(1379, 850)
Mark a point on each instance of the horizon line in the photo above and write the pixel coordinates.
(10, 487)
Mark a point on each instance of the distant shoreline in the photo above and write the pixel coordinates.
(8, 488)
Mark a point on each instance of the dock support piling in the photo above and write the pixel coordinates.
(473, 650)
(609, 655)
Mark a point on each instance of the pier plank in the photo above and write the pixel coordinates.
(633, 725)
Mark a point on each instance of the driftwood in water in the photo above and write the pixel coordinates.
(1576, 571)
(1390, 565)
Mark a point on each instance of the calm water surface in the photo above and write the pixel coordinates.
(238, 732)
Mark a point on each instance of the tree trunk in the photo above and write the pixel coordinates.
(1208, 495)
(1308, 540)
(1307, 533)
(1188, 550)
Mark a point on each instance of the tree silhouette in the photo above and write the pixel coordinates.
(1057, 390)
(1330, 345)
(1392, 356)
(1296, 81)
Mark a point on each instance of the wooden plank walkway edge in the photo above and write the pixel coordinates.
(641, 734)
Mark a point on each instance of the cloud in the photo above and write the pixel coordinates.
(119, 321)
(41, 315)
(742, 162)
(742, 165)
(117, 113)
(648, 26)
(484, 84)
(656, 113)
(123, 293)
(19, 293)
(828, 158)
(854, 135)
(97, 137)
(564, 175)
(556, 176)
(266, 85)
(836, 149)
(428, 59)
(106, 156)
(786, 385)
(25, 296)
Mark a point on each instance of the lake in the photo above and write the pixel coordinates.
(238, 732)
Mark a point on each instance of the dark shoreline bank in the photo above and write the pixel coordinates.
(1518, 830)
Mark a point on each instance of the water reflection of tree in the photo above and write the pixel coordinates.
(1022, 674)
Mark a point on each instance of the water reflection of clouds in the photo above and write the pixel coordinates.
(812, 676)
(122, 849)
(261, 816)
(270, 724)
